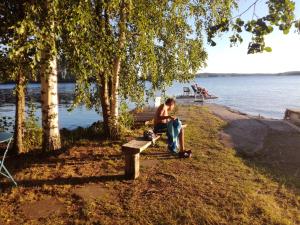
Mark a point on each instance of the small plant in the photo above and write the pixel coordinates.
(125, 118)
(33, 131)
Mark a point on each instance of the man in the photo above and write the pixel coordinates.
(161, 120)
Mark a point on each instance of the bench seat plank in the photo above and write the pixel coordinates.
(137, 145)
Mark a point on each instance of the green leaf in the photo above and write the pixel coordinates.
(268, 49)
(286, 31)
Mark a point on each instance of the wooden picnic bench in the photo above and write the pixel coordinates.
(132, 150)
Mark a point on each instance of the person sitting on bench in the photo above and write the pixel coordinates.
(161, 120)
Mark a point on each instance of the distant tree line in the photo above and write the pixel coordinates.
(6, 66)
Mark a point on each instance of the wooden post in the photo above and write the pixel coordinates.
(132, 165)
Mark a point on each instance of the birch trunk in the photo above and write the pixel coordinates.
(20, 114)
(49, 94)
(114, 104)
(109, 90)
(105, 104)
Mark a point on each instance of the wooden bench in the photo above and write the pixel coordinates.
(132, 150)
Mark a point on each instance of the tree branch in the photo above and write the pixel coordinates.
(246, 10)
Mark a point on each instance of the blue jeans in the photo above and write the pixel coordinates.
(160, 128)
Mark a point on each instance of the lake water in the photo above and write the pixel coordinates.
(267, 96)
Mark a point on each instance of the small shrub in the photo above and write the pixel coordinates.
(94, 132)
(33, 131)
(126, 119)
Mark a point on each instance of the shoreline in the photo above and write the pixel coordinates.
(259, 117)
(272, 142)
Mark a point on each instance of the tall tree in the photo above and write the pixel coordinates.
(49, 77)
(17, 69)
(41, 36)
(114, 47)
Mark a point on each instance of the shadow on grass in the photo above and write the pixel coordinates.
(92, 136)
(64, 181)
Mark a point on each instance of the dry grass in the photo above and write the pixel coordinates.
(214, 187)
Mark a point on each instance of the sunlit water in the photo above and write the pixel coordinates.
(267, 96)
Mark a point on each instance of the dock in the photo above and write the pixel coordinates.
(293, 115)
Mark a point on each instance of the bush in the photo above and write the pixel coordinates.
(126, 119)
(33, 131)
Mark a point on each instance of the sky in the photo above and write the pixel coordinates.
(284, 57)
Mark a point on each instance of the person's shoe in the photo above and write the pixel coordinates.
(185, 154)
(189, 152)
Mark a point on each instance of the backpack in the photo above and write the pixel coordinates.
(149, 135)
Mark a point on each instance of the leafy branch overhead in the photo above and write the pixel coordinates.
(280, 15)
(163, 43)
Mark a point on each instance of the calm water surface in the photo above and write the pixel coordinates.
(267, 96)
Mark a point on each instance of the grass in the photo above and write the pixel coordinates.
(214, 187)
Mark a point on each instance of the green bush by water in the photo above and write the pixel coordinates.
(33, 131)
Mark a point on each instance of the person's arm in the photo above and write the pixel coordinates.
(165, 117)
(161, 115)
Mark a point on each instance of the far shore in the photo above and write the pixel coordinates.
(290, 73)
(201, 75)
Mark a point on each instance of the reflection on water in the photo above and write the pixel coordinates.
(66, 93)
(268, 96)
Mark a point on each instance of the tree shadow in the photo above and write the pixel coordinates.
(64, 181)
(65, 157)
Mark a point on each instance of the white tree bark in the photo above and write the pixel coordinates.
(49, 92)
(114, 105)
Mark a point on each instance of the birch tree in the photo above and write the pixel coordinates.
(49, 78)
(40, 23)
(113, 47)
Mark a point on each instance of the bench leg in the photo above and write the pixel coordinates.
(132, 165)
